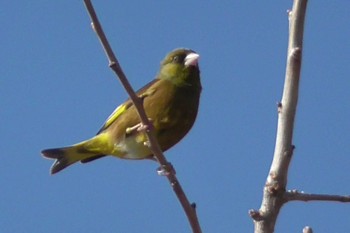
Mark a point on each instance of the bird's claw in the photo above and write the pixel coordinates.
(137, 128)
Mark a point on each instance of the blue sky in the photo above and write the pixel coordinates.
(56, 89)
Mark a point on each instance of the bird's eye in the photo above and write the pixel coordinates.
(176, 59)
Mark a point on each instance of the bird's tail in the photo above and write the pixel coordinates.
(85, 151)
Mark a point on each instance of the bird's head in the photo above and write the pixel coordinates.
(181, 67)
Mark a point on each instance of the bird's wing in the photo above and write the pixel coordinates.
(121, 109)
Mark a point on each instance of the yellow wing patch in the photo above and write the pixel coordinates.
(147, 90)
(115, 114)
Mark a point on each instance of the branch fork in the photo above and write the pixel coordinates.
(275, 194)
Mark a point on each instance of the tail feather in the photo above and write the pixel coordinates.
(92, 158)
(67, 156)
(84, 152)
(62, 158)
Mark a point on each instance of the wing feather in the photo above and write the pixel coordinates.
(121, 109)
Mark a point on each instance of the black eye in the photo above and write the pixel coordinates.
(176, 59)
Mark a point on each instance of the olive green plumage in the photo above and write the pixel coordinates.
(170, 101)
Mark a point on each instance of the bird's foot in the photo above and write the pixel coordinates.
(137, 128)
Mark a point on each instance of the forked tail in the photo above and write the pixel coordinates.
(67, 156)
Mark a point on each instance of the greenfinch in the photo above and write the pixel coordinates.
(171, 103)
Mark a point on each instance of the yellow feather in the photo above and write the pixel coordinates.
(115, 114)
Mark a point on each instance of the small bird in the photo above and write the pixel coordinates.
(171, 103)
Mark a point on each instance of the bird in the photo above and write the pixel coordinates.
(171, 103)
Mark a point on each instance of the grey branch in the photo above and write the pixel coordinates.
(273, 196)
(153, 143)
(294, 195)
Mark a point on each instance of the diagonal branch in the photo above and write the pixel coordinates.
(153, 143)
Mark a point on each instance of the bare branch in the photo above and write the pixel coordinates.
(153, 143)
(273, 196)
(294, 195)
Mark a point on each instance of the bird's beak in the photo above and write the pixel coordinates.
(191, 59)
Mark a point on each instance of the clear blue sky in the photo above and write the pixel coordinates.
(56, 89)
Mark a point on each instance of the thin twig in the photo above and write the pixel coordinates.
(153, 143)
(294, 195)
